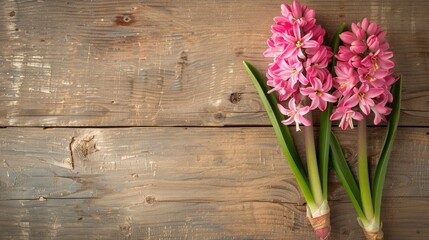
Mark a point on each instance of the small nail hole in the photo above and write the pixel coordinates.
(126, 19)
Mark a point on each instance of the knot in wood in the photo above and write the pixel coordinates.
(235, 97)
(150, 200)
(219, 117)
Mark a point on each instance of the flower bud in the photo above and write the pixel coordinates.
(373, 42)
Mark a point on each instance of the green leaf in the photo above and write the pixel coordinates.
(282, 132)
(335, 45)
(346, 177)
(392, 125)
(325, 123)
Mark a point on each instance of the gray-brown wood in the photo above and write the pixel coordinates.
(93, 219)
(152, 63)
(136, 67)
(187, 183)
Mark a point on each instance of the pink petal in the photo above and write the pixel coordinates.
(364, 23)
(358, 47)
(373, 42)
(351, 101)
(297, 31)
(315, 103)
(296, 9)
(303, 120)
(358, 32)
(329, 98)
(310, 14)
(343, 123)
(374, 92)
(306, 91)
(304, 110)
(347, 37)
(322, 105)
(290, 51)
(358, 116)
(372, 28)
(288, 121)
(283, 110)
(364, 108)
(292, 105)
(310, 44)
(336, 115)
(300, 54)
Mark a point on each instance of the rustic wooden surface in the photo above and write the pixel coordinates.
(113, 115)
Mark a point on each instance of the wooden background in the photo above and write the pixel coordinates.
(136, 120)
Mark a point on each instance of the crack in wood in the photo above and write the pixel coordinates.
(71, 152)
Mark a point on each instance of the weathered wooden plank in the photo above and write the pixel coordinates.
(112, 219)
(134, 63)
(186, 183)
(183, 164)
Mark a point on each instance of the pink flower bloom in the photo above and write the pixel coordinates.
(346, 78)
(355, 39)
(276, 46)
(380, 111)
(318, 32)
(299, 56)
(364, 74)
(291, 69)
(316, 66)
(373, 42)
(295, 114)
(364, 97)
(358, 47)
(283, 88)
(299, 14)
(318, 93)
(377, 60)
(296, 43)
(375, 78)
(346, 115)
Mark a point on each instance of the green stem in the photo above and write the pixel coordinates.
(364, 184)
(313, 170)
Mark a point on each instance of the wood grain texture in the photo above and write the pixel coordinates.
(94, 219)
(175, 63)
(187, 183)
(131, 69)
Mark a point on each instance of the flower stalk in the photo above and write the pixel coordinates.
(364, 182)
(313, 170)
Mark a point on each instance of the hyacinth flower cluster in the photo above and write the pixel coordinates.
(363, 86)
(299, 71)
(364, 75)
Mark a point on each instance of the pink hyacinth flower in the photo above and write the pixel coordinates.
(346, 78)
(316, 66)
(318, 93)
(346, 115)
(298, 74)
(291, 69)
(296, 43)
(380, 111)
(295, 114)
(364, 97)
(298, 13)
(364, 74)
